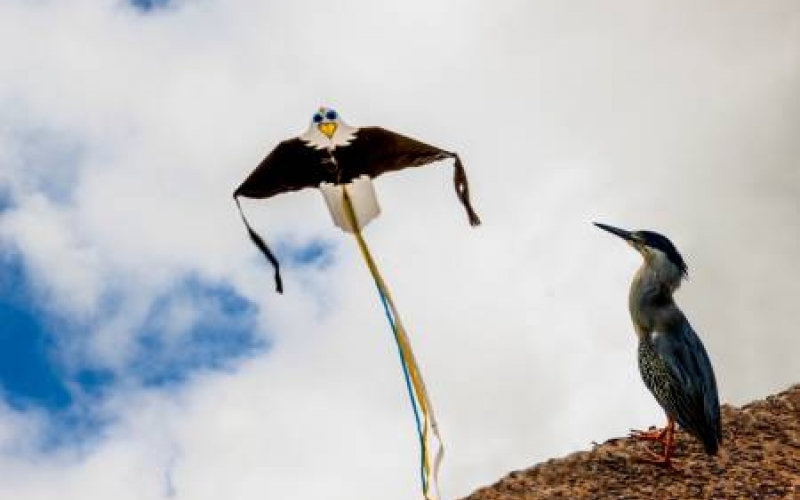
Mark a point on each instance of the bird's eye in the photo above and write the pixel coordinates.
(330, 115)
(317, 118)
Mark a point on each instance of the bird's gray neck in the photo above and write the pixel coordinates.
(650, 299)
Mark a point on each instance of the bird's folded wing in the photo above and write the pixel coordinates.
(694, 392)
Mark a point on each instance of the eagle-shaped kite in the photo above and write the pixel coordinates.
(341, 160)
(331, 151)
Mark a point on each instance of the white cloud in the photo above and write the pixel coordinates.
(670, 116)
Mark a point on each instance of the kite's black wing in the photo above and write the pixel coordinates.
(376, 150)
(289, 167)
(293, 165)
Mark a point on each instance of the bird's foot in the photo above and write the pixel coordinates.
(653, 434)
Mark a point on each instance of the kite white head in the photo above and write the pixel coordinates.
(327, 130)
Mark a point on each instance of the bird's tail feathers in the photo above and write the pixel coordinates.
(711, 445)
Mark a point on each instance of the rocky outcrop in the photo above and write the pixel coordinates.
(760, 460)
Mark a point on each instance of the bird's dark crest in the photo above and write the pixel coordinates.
(661, 242)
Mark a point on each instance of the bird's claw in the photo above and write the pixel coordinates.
(653, 434)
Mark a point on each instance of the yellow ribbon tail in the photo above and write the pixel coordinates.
(427, 426)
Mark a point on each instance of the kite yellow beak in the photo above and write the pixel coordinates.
(327, 128)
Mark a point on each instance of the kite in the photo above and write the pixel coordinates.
(341, 160)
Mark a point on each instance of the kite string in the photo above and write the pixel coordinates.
(423, 476)
(417, 390)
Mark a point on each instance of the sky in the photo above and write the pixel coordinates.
(143, 352)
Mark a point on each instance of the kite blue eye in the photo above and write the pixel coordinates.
(317, 118)
(330, 115)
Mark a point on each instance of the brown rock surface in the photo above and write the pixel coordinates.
(760, 460)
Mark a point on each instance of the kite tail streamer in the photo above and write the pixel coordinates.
(418, 394)
(462, 190)
(259, 242)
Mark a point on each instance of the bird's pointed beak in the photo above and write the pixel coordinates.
(328, 128)
(625, 235)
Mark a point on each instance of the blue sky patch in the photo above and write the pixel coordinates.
(317, 253)
(148, 5)
(28, 374)
(196, 326)
(32, 379)
(5, 198)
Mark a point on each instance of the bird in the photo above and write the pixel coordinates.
(331, 151)
(673, 362)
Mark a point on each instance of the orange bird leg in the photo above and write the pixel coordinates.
(667, 438)
(658, 435)
(650, 435)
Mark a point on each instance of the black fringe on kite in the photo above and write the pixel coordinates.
(462, 190)
(259, 242)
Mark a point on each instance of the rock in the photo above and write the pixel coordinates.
(760, 459)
